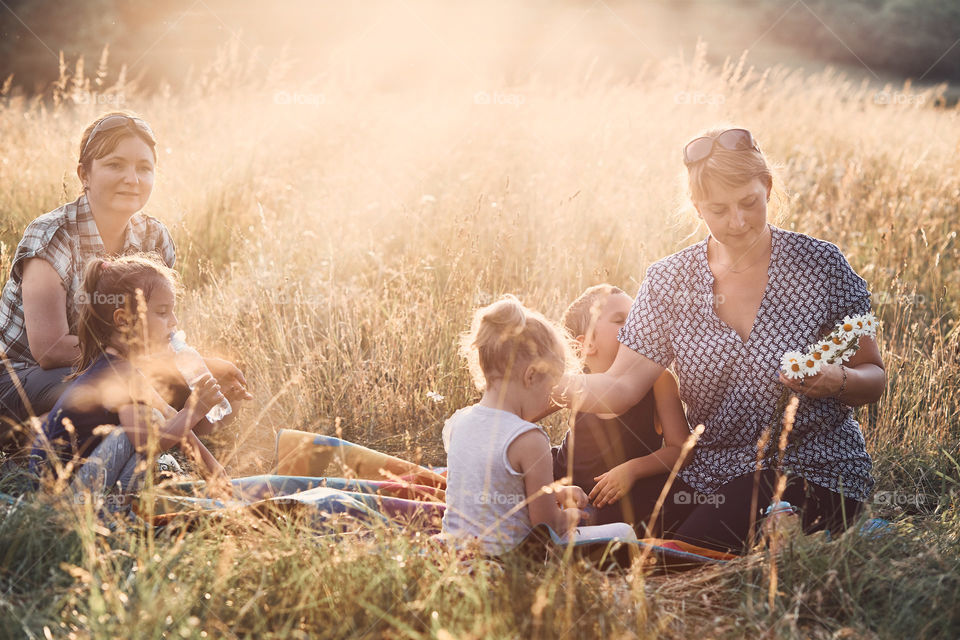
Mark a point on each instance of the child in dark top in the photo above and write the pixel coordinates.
(110, 419)
(623, 461)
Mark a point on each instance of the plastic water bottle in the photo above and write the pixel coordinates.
(781, 524)
(192, 367)
(779, 507)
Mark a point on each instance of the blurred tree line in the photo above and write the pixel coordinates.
(160, 39)
(912, 38)
(156, 39)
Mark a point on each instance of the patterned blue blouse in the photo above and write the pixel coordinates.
(731, 387)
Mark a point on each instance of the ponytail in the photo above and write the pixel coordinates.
(111, 284)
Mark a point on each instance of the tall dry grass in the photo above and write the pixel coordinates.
(336, 235)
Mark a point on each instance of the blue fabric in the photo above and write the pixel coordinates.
(331, 501)
(330, 441)
(263, 487)
(320, 501)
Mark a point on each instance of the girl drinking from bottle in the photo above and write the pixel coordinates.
(498, 461)
(126, 317)
(40, 302)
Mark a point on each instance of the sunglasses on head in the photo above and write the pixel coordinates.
(732, 139)
(112, 122)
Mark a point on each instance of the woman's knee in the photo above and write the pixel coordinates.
(824, 509)
(34, 392)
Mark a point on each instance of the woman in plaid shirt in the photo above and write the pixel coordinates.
(38, 308)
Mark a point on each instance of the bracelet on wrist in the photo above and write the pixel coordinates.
(843, 383)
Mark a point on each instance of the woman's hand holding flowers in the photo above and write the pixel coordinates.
(827, 383)
(819, 372)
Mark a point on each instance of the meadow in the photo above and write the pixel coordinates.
(335, 234)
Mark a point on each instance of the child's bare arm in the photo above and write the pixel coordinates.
(149, 395)
(614, 484)
(214, 472)
(139, 420)
(571, 496)
(530, 455)
(670, 413)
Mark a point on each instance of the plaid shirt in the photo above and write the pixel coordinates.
(66, 238)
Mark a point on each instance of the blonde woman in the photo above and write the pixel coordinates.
(722, 312)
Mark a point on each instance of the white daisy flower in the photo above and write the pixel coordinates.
(848, 328)
(865, 325)
(791, 366)
(837, 347)
(823, 350)
(870, 324)
(436, 397)
(810, 366)
(839, 341)
(848, 324)
(841, 350)
(857, 325)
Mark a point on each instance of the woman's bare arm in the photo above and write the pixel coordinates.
(866, 378)
(620, 387)
(45, 316)
(866, 375)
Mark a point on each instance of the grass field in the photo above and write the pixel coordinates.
(335, 235)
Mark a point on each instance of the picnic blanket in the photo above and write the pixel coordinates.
(321, 477)
(319, 498)
(616, 545)
(379, 489)
(300, 453)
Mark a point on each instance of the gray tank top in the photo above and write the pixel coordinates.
(485, 495)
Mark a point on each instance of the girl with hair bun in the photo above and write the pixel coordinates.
(126, 317)
(499, 467)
